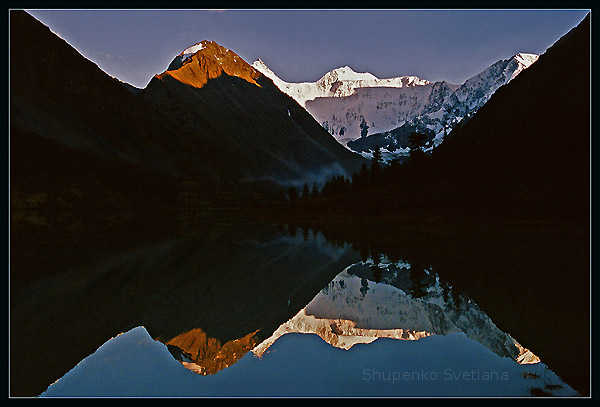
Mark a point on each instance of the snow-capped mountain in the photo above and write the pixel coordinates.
(473, 94)
(353, 105)
(344, 101)
(338, 83)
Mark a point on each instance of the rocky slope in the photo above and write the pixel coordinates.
(205, 355)
(448, 110)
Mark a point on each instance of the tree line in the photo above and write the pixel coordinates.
(375, 174)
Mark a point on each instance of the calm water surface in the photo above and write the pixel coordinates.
(236, 303)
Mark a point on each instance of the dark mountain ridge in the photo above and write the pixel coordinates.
(62, 99)
(59, 95)
(265, 132)
(527, 150)
(96, 168)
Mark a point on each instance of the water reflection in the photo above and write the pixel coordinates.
(205, 355)
(532, 280)
(210, 297)
(367, 301)
(228, 288)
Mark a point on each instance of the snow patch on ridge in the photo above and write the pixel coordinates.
(193, 49)
(345, 73)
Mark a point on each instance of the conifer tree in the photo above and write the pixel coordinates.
(360, 180)
(315, 191)
(364, 128)
(292, 194)
(416, 142)
(376, 167)
(305, 191)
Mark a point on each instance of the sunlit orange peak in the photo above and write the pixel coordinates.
(208, 60)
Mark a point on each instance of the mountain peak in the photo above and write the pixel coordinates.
(522, 61)
(525, 59)
(194, 48)
(260, 66)
(345, 73)
(207, 47)
(208, 60)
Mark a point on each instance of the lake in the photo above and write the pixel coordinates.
(230, 307)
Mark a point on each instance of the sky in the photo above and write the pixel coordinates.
(303, 45)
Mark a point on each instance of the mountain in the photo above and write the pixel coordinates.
(342, 99)
(525, 154)
(80, 142)
(221, 123)
(232, 107)
(340, 82)
(62, 99)
(364, 111)
(527, 149)
(453, 107)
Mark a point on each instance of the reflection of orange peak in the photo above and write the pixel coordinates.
(207, 354)
(210, 61)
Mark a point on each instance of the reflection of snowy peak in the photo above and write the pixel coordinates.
(340, 333)
(367, 301)
(344, 101)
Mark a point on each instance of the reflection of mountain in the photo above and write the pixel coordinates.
(206, 296)
(389, 300)
(531, 280)
(360, 305)
(206, 355)
(219, 286)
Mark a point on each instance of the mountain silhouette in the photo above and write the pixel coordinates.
(73, 124)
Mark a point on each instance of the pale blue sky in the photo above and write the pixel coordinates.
(302, 45)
